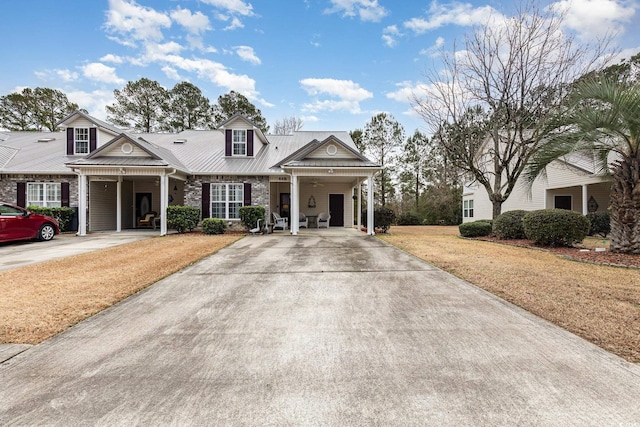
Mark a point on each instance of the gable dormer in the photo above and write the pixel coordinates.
(85, 133)
(242, 138)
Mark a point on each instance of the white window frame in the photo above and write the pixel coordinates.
(44, 194)
(81, 142)
(239, 142)
(227, 203)
(467, 208)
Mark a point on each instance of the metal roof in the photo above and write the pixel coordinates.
(197, 152)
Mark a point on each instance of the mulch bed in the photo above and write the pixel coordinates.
(576, 253)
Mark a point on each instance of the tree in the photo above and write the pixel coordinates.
(381, 138)
(51, 106)
(356, 137)
(34, 109)
(288, 125)
(141, 105)
(188, 108)
(415, 155)
(504, 86)
(603, 118)
(234, 102)
(17, 111)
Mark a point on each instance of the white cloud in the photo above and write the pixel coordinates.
(247, 54)
(367, 10)
(433, 50)
(130, 20)
(93, 101)
(309, 119)
(347, 95)
(235, 23)
(102, 73)
(405, 92)
(194, 23)
(172, 73)
(114, 59)
(462, 14)
(233, 6)
(593, 18)
(390, 34)
(57, 74)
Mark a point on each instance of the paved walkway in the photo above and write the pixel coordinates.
(316, 330)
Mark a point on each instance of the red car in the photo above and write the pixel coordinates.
(17, 223)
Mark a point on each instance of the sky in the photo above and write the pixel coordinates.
(332, 63)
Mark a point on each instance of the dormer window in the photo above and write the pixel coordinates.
(239, 142)
(81, 140)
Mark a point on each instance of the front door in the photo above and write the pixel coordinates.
(285, 205)
(143, 204)
(336, 210)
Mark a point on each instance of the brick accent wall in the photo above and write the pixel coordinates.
(9, 186)
(259, 191)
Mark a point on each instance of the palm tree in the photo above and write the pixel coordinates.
(603, 118)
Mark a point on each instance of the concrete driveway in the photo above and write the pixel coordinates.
(317, 330)
(21, 253)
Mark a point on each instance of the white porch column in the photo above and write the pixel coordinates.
(82, 204)
(164, 202)
(585, 207)
(119, 205)
(295, 204)
(371, 227)
(359, 210)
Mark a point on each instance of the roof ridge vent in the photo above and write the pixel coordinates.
(180, 141)
(46, 139)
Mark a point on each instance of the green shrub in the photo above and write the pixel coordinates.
(508, 225)
(213, 226)
(249, 215)
(475, 229)
(555, 227)
(382, 217)
(183, 218)
(63, 215)
(408, 218)
(600, 223)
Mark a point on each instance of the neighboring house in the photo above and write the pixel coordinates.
(572, 183)
(113, 177)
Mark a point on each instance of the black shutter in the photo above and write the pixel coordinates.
(70, 142)
(228, 150)
(206, 200)
(93, 139)
(21, 196)
(250, 143)
(247, 194)
(64, 192)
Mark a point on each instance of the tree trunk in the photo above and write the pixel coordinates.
(625, 207)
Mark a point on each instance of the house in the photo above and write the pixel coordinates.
(113, 176)
(571, 183)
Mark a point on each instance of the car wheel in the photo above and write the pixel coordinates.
(46, 232)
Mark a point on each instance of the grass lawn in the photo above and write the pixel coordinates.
(598, 303)
(41, 300)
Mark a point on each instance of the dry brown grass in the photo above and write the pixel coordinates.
(598, 303)
(42, 300)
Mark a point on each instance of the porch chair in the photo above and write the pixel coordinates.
(148, 220)
(303, 221)
(323, 219)
(280, 222)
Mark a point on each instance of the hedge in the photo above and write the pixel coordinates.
(63, 215)
(249, 215)
(555, 227)
(408, 218)
(213, 226)
(508, 225)
(600, 223)
(475, 229)
(183, 218)
(382, 218)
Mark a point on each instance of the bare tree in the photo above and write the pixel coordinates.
(288, 125)
(500, 91)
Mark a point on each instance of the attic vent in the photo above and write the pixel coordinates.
(46, 139)
(180, 141)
